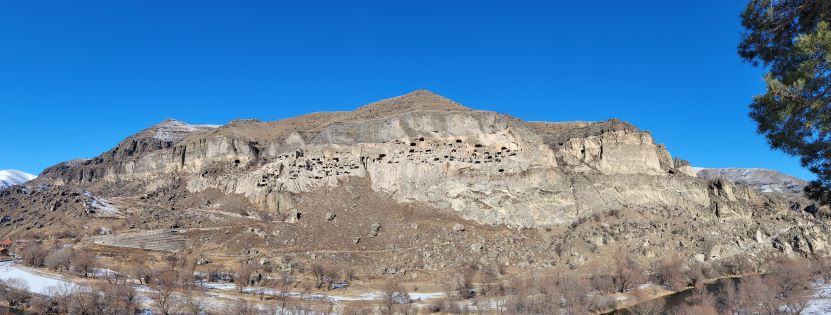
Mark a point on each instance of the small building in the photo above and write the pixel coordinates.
(5, 247)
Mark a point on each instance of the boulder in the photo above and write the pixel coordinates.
(373, 231)
(293, 217)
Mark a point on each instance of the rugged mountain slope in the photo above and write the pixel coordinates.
(12, 177)
(760, 179)
(389, 184)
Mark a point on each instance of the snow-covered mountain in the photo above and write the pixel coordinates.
(760, 179)
(12, 177)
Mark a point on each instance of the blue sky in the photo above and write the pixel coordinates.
(76, 77)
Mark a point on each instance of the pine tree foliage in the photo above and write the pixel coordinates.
(792, 39)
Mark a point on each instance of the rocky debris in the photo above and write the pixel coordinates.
(356, 240)
(374, 229)
(458, 227)
(203, 260)
(104, 231)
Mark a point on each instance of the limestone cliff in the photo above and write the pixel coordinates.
(419, 147)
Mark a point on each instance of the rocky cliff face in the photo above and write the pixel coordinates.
(420, 147)
(416, 182)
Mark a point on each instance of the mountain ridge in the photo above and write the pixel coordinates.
(13, 177)
(761, 179)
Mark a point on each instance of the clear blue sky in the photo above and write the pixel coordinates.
(76, 77)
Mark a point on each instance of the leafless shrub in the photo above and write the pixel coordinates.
(669, 272)
(189, 305)
(243, 307)
(790, 281)
(357, 309)
(701, 296)
(602, 303)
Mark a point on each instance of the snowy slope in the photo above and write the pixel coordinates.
(12, 177)
(760, 179)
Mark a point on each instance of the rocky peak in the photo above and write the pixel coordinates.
(760, 179)
(172, 131)
(414, 101)
(12, 177)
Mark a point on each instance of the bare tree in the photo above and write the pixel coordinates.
(15, 292)
(83, 263)
(461, 283)
(627, 272)
(392, 295)
(573, 293)
(58, 299)
(59, 258)
(321, 274)
(120, 297)
(85, 300)
(242, 278)
(33, 254)
(164, 284)
(140, 271)
(669, 272)
(282, 285)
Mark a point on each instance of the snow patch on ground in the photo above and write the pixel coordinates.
(368, 296)
(101, 206)
(36, 282)
(820, 302)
